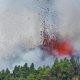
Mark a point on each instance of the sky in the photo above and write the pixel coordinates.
(21, 23)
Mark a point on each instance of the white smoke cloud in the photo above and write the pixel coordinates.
(21, 56)
(34, 56)
(20, 31)
(17, 28)
(20, 27)
(69, 18)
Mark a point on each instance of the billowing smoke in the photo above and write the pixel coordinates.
(69, 17)
(21, 22)
(65, 20)
(19, 31)
(20, 35)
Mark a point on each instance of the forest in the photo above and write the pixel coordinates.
(61, 69)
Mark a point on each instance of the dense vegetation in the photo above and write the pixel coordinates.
(62, 69)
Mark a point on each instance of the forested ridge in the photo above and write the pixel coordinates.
(62, 69)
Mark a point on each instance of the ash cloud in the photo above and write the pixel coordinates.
(21, 56)
(19, 34)
(63, 17)
(69, 18)
(21, 23)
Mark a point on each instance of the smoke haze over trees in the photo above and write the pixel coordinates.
(63, 69)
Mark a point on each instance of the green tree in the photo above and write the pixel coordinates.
(16, 71)
(43, 72)
(56, 69)
(62, 69)
(2, 76)
(31, 77)
(32, 69)
(25, 70)
(64, 65)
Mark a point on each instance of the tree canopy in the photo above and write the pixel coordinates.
(62, 69)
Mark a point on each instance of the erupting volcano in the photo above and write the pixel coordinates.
(56, 45)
